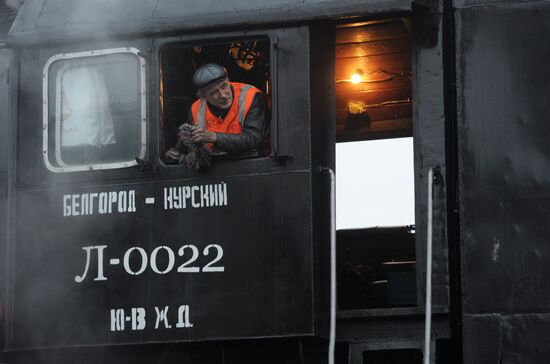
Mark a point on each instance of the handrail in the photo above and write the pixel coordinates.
(429, 257)
(332, 332)
(332, 324)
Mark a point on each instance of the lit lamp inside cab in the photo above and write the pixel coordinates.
(373, 74)
(356, 78)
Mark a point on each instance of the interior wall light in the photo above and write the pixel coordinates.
(357, 77)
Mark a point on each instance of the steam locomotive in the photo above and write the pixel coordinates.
(110, 253)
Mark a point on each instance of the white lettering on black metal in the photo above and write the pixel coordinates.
(182, 197)
(184, 268)
(162, 260)
(126, 261)
(219, 254)
(135, 318)
(117, 320)
(99, 203)
(162, 317)
(88, 250)
(123, 202)
(138, 318)
(170, 263)
(183, 317)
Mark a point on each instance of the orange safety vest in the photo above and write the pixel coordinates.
(243, 94)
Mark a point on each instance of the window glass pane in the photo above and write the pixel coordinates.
(375, 183)
(86, 117)
(95, 110)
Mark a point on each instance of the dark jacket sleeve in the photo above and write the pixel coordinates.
(253, 129)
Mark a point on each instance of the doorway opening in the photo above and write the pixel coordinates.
(374, 164)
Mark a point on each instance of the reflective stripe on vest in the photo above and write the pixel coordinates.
(201, 122)
(242, 98)
(202, 114)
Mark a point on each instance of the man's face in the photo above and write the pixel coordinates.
(219, 94)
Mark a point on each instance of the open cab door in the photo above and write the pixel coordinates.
(387, 107)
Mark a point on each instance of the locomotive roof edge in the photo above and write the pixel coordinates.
(37, 20)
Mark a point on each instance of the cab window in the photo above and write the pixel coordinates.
(247, 61)
(94, 115)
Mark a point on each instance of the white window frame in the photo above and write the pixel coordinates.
(62, 167)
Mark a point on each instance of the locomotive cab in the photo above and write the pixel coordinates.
(131, 250)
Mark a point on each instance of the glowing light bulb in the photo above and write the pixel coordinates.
(356, 78)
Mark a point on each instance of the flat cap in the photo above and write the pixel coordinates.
(207, 74)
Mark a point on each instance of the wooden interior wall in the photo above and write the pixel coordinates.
(381, 52)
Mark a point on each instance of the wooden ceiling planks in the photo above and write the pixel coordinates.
(373, 65)
(377, 47)
(372, 32)
(380, 52)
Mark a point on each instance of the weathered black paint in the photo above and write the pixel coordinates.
(429, 150)
(321, 70)
(39, 19)
(269, 236)
(265, 290)
(451, 157)
(503, 108)
(5, 108)
(294, 290)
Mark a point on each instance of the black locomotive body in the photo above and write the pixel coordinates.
(111, 252)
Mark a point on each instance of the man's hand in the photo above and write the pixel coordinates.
(184, 134)
(203, 136)
(172, 154)
(186, 139)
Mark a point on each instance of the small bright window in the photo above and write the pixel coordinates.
(375, 183)
(94, 110)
